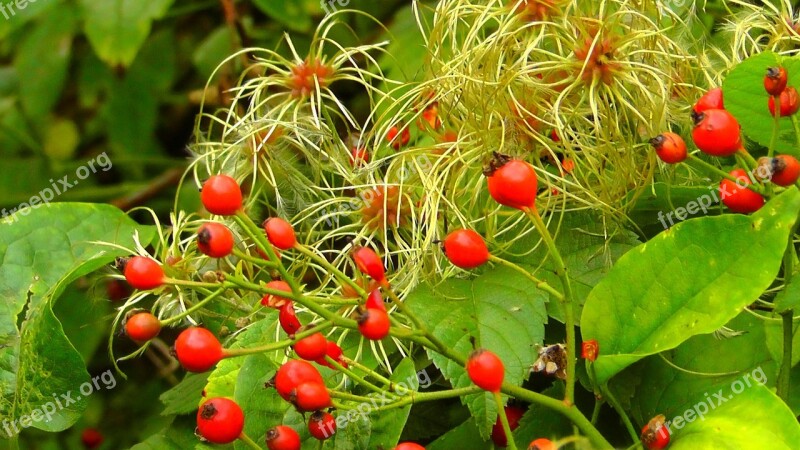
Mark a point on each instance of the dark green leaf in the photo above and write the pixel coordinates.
(539, 422)
(118, 28)
(688, 280)
(754, 418)
(43, 59)
(42, 253)
(288, 12)
(183, 398)
(501, 310)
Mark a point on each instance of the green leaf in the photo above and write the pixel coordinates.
(653, 206)
(754, 418)
(708, 364)
(789, 298)
(386, 426)
(118, 28)
(686, 281)
(20, 16)
(183, 398)
(501, 310)
(540, 422)
(746, 99)
(85, 318)
(774, 331)
(463, 437)
(43, 59)
(212, 51)
(589, 250)
(288, 12)
(42, 253)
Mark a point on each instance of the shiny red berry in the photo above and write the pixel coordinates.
(117, 290)
(359, 156)
(274, 301)
(215, 240)
(322, 425)
(198, 349)
(486, 370)
(775, 80)
(282, 438)
(143, 273)
(288, 319)
(785, 170)
(220, 420)
(221, 195)
(670, 147)
(312, 348)
(91, 438)
(335, 353)
(408, 446)
(513, 414)
(542, 444)
(375, 300)
(293, 373)
(514, 184)
(737, 197)
(790, 102)
(143, 326)
(655, 435)
(369, 263)
(398, 138)
(310, 396)
(374, 324)
(280, 233)
(717, 133)
(710, 100)
(465, 249)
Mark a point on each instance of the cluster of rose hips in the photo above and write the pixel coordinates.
(511, 182)
(717, 133)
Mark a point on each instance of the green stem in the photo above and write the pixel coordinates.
(419, 397)
(566, 301)
(541, 284)
(350, 397)
(786, 365)
(796, 124)
(598, 404)
(776, 125)
(232, 352)
(355, 377)
(784, 374)
(252, 259)
(333, 269)
(194, 308)
(260, 239)
(713, 170)
(618, 408)
(385, 381)
(250, 443)
(751, 162)
(501, 411)
(570, 412)
(439, 346)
